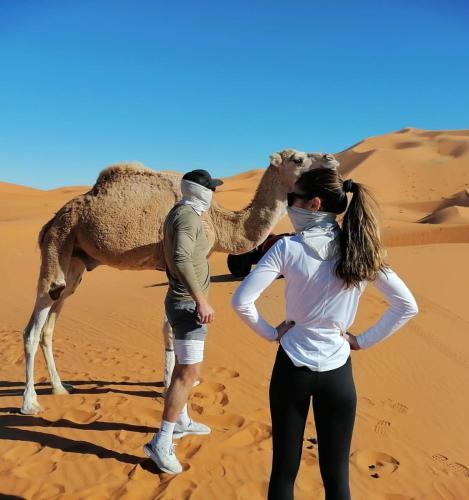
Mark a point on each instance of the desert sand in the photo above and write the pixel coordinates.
(411, 425)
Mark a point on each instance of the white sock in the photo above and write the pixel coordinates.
(183, 418)
(165, 434)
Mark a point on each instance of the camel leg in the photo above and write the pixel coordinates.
(46, 346)
(169, 359)
(56, 255)
(73, 279)
(31, 336)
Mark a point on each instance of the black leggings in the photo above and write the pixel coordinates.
(334, 405)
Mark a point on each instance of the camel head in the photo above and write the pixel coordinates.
(324, 160)
(292, 163)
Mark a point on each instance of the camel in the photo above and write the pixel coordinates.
(119, 223)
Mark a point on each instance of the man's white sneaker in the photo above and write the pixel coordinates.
(164, 457)
(191, 428)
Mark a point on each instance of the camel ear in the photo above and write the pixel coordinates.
(275, 160)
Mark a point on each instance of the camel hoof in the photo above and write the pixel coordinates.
(32, 409)
(62, 389)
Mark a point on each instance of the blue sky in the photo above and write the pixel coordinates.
(218, 85)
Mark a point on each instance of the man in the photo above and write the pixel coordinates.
(188, 311)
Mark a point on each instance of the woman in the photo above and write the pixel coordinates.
(326, 269)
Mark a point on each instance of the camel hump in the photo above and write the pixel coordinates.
(121, 170)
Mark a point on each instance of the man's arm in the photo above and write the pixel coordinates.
(184, 237)
(185, 231)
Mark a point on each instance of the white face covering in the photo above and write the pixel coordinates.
(199, 197)
(318, 230)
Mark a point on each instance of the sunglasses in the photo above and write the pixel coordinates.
(291, 197)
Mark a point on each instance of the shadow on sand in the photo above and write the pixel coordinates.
(221, 278)
(11, 419)
(100, 387)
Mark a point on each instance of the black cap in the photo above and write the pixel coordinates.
(203, 178)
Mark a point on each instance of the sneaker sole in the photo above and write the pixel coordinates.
(179, 435)
(149, 453)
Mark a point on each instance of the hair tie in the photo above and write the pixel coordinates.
(348, 186)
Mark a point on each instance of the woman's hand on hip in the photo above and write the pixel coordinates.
(352, 340)
(283, 328)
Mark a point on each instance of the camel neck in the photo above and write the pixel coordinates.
(242, 230)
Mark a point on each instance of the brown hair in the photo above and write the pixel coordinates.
(362, 252)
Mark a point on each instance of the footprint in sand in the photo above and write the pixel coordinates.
(391, 496)
(52, 490)
(382, 428)
(387, 404)
(253, 433)
(181, 489)
(458, 468)
(310, 443)
(396, 406)
(36, 469)
(26, 452)
(186, 448)
(375, 464)
(214, 470)
(366, 401)
(221, 372)
(310, 456)
(455, 467)
(253, 490)
(225, 422)
(209, 397)
(81, 416)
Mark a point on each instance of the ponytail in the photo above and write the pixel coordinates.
(362, 252)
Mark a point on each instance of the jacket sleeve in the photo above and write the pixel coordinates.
(402, 307)
(243, 302)
(185, 231)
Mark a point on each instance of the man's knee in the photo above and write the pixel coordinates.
(188, 374)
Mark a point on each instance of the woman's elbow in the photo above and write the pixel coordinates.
(236, 301)
(412, 308)
(405, 309)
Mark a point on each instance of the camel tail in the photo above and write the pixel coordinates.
(61, 218)
(44, 229)
(56, 241)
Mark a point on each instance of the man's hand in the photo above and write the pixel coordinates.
(283, 328)
(352, 340)
(205, 312)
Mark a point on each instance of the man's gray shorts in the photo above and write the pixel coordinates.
(182, 316)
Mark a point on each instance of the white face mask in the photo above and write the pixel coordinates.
(318, 230)
(199, 197)
(302, 218)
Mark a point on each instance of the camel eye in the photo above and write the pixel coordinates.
(298, 160)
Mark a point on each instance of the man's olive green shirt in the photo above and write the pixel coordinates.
(185, 252)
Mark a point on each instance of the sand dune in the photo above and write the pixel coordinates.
(411, 438)
(411, 165)
(450, 215)
(460, 199)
